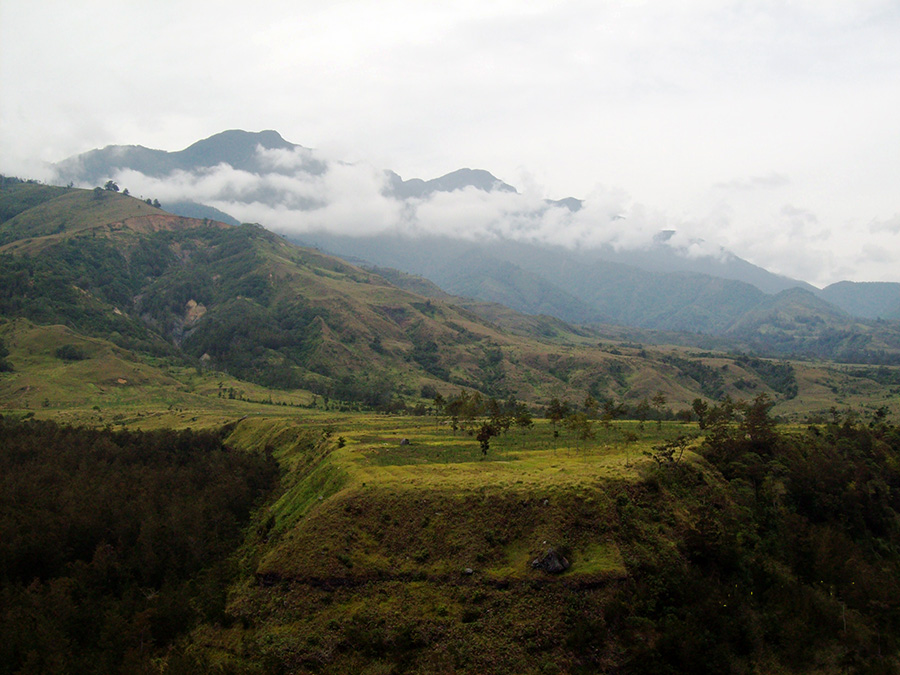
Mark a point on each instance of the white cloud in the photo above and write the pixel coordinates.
(891, 224)
(354, 199)
(769, 181)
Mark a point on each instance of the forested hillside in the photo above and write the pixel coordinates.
(112, 545)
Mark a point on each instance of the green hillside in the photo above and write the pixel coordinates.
(244, 303)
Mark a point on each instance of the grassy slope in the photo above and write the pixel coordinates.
(378, 535)
(67, 213)
(113, 385)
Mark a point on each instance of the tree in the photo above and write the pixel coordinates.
(111, 186)
(629, 437)
(70, 353)
(700, 408)
(581, 426)
(484, 436)
(556, 412)
(670, 452)
(756, 426)
(611, 411)
(642, 411)
(456, 408)
(523, 418)
(659, 402)
(5, 366)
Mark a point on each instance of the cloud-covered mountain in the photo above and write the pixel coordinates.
(599, 258)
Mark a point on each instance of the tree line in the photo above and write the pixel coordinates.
(114, 544)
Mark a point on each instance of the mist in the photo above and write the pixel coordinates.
(358, 200)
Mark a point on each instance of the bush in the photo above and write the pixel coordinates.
(70, 353)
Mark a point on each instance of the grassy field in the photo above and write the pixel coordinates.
(397, 524)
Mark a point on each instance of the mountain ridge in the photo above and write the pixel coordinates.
(247, 152)
(234, 148)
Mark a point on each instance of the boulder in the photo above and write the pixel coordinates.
(551, 562)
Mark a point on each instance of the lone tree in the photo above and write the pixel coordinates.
(556, 412)
(111, 186)
(642, 412)
(523, 417)
(670, 453)
(659, 402)
(484, 436)
(701, 409)
(580, 424)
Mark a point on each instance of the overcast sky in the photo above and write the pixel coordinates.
(768, 127)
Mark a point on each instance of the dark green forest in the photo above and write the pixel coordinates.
(791, 554)
(114, 544)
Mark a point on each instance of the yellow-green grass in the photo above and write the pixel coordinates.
(842, 386)
(369, 507)
(372, 540)
(113, 385)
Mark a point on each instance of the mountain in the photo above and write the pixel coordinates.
(870, 300)
(456, 180)
(723, 264)
(243, 301)
(319, 185)
(475, 236)
(131, 281)
(246, 151)
(574, 286)
(238, 149)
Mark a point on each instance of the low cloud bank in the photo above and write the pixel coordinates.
(298, 193)
(302, 191)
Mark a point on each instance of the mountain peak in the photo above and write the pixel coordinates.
(450, 182)
(235, 147)
(238, 139)
(463, 178)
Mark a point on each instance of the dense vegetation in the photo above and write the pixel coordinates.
(5, 365)
(113, 544)
(779, 376)
(74, 285)
(753, 549)
(791, 554)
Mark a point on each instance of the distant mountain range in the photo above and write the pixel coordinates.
(656, 284)
(116, 278)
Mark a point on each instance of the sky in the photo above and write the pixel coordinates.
(769, 128)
